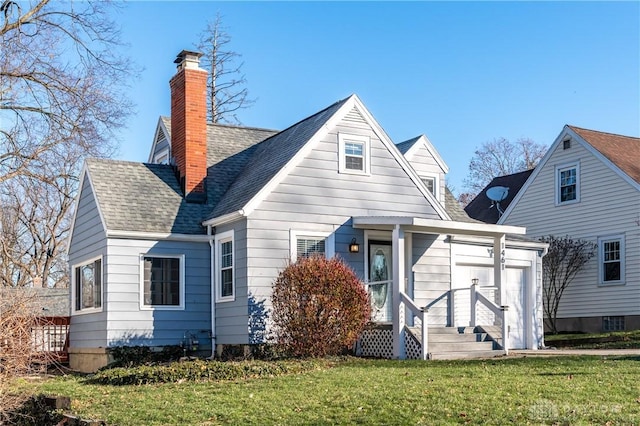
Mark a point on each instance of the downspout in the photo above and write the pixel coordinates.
(211, 233)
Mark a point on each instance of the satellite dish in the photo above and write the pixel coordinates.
(497, 193)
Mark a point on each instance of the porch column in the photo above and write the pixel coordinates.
(498, 266)
(397, 248)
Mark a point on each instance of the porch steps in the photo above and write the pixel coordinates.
(458, 343)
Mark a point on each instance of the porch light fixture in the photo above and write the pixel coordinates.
(474, 281)
(353, 246)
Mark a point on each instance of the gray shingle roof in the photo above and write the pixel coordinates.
(143, 197)
(42, 302)
(454, 209)
(405, 146)
(269, 157)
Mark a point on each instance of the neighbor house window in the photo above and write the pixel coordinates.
(88, 285)
(225, 274)
(163, 281)
(354, 154)
(611, 254)
(613, 323)
(567, 184)
(430, 183)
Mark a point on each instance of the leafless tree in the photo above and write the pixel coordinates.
(62, 98)
(565, 258)
(501, 157)
(226, 91)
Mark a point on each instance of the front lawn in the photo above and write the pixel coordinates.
(558, 390)
(611, 340)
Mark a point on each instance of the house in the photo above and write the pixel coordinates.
(185, 248)
(587, 186)
(488, 210)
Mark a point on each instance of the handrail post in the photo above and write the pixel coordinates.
(425, 334)
(452, 307)
(505, 330)
(473, 297)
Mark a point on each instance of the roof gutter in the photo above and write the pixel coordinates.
(227, 218)
(137, 235)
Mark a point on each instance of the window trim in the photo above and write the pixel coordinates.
(601, 241)
(343, 139)
(294, 235)
(563, 167)
(74, 292)
(436, 183)
(221, 238)
(180, 306)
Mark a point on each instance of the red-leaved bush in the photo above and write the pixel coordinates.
(320, 307)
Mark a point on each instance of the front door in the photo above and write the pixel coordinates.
(380, 277)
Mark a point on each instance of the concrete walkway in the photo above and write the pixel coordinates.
(576, 352)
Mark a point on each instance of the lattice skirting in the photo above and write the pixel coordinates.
(378, 343)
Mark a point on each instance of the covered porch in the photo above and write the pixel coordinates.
(472, 297)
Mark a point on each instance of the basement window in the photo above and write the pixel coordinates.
(613, 323)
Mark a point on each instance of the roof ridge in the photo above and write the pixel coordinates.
(231, 126)
(601, 132)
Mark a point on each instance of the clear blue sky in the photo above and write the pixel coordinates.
(461, 73)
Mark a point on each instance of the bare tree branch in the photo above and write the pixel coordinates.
(500, 157)
(62, 99)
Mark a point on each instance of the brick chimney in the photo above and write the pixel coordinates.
(189, 124)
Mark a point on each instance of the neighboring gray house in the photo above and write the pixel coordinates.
(188, 246)
(587, 186)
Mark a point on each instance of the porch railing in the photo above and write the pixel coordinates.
(499, 311)
(422, 316)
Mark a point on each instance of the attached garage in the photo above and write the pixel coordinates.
(475, 261)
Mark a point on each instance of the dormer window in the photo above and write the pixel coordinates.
(430, 183)
(354, 151)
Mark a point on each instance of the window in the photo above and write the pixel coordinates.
(309, 246)
(225, 274)
(612, 323)
(567, 184)
(611, 254)
(88, 285)
(354, 154)
(162, 282)
(430, 183)
(307, 243)
(162, 157)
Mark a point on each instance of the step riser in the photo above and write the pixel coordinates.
(465, 355)
(460, 347)
(452, 338)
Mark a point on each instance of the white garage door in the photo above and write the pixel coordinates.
(514, 292)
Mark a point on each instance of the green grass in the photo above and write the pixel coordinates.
(611, 340)
(562, 390)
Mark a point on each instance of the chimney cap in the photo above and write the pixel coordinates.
(188, 59)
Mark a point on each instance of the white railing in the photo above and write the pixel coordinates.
(422, 316)
(499, 312)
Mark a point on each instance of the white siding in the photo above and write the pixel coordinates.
(316, 197)
(431, 260)
(608, 206)
(424, 163)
